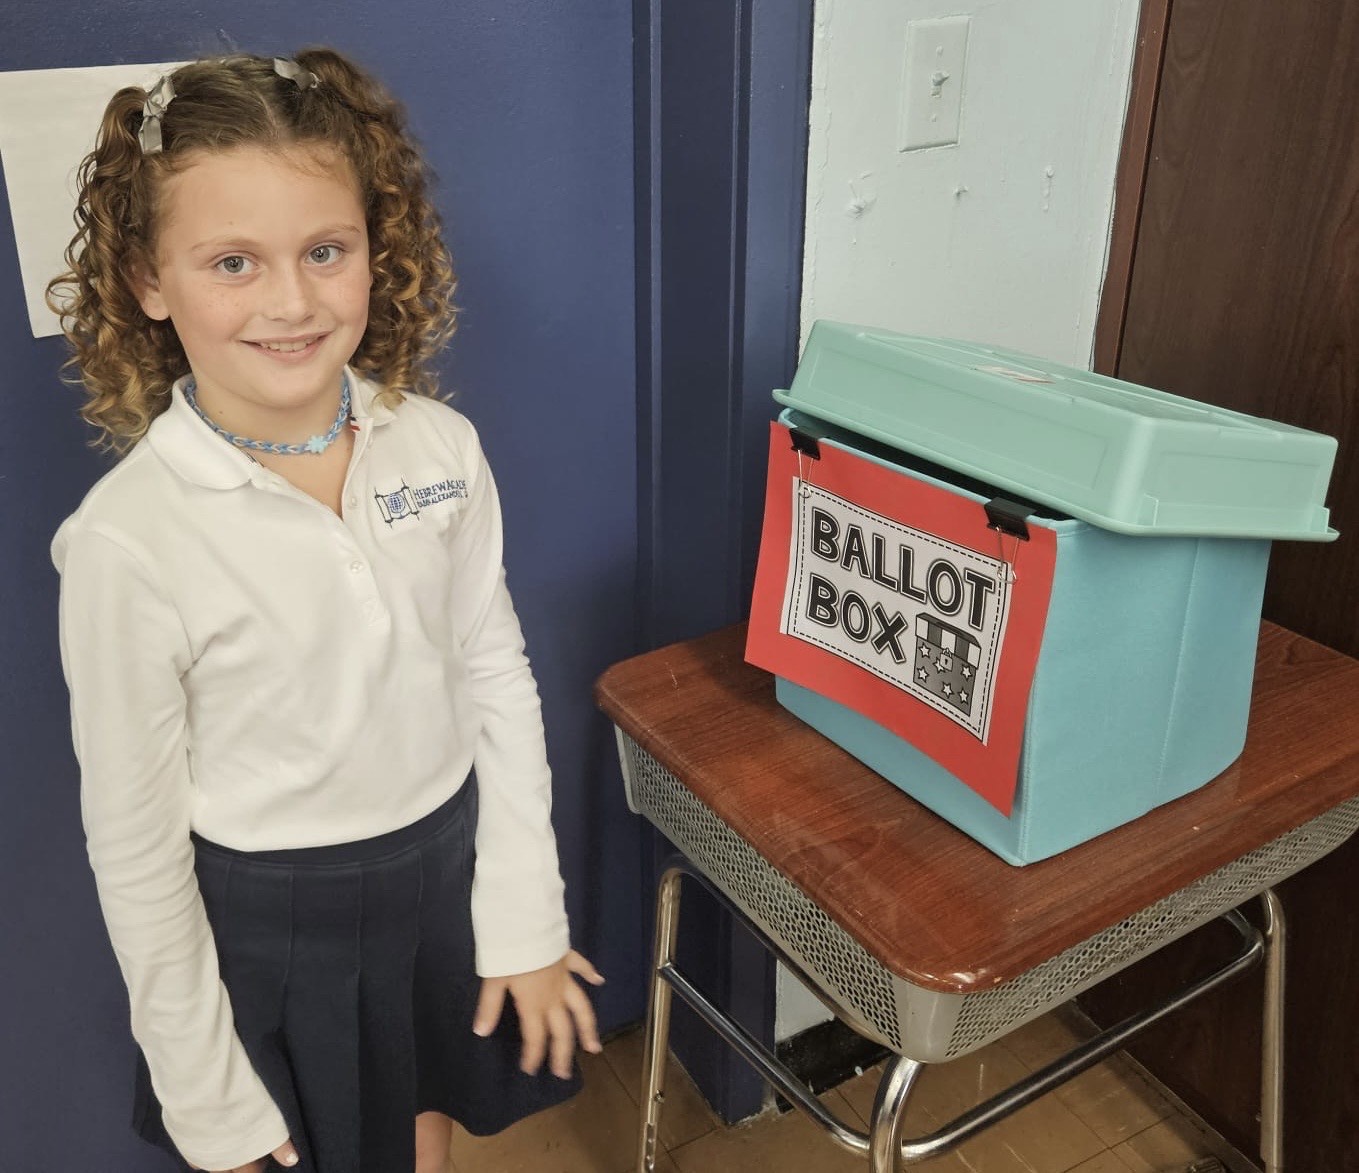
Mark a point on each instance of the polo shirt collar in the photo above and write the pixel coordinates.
(195, 452)
(365, 401)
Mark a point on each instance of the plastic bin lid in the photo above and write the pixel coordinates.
(1128, 458)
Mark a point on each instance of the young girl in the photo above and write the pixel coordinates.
(288, 641)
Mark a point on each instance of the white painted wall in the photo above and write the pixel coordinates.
(1001, 238)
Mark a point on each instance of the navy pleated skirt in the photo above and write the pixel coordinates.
(351, 976)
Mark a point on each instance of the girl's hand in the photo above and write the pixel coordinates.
(285, 1155)
(553, 1012)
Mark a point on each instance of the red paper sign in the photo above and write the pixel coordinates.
(895, 597)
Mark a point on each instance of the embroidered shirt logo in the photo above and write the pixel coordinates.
(406, 502)
(440, 491)
(397, 506)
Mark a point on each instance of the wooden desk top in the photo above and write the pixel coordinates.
(933, 906)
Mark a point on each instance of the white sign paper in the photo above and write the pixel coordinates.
(48, 120)
(925, 614)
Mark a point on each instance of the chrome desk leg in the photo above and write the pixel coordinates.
(889, 1114)
(658, 1019)
(1272, 1037)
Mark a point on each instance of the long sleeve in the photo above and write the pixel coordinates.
(518, 913)
(124, 651)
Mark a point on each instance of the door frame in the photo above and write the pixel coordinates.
(1130, 182)
(721, 94)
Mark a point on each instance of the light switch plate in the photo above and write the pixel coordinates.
(932, 82)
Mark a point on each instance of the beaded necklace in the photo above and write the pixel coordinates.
(315, 446)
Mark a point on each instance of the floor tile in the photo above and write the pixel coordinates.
(1106, 1162)
(665, 1163)
(787, 1143)
(1046, 1137)
(1032, 1141)
(1114, 1101)
(860, 1091)
(1038, 1043)
(596, 1132)
(685, 1115)
(1170, 1145)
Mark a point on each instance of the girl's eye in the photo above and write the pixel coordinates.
(325, 254)
(233, 266)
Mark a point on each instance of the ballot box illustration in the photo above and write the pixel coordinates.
(1026, 594)
(946, 660)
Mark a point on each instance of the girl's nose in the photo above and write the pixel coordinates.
(287, 298)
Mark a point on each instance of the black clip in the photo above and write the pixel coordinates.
(805, 443)
(1007, 517)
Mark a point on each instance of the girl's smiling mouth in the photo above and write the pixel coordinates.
(288, 347)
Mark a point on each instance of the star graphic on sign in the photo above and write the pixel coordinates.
(962, 695)
(967, 671)
(925, 650)
(924, 675)
(948, 690)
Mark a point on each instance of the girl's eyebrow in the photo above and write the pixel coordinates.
(339, 230)
(218, 243)
(221, 242)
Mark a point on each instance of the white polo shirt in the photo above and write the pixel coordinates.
(246, 664)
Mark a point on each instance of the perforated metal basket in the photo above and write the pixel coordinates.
(925, 1024)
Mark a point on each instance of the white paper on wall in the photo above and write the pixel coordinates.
(48, 120)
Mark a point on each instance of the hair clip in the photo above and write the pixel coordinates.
(304, 78)
(153, 110)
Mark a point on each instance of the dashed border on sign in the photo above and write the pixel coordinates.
(793, 603)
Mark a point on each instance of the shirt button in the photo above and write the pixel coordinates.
(353, 500)
(356, 566)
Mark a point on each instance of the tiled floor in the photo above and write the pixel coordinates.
(1105, 1121)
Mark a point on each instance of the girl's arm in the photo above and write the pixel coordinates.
(124, 651)
(518, 910)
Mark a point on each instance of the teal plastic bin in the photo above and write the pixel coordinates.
(1144, 673)
(1127, 458)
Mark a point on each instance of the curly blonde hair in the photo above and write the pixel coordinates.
(126, 361)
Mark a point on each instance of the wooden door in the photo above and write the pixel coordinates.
(1244, 292)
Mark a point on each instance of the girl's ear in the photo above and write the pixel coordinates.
(146, 289)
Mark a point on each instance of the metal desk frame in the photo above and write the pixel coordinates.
(883, 1143)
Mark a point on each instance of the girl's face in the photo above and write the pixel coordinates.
(262, 267)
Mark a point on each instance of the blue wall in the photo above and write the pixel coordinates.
(525, 110)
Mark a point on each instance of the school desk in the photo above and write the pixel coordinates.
(921, 939)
